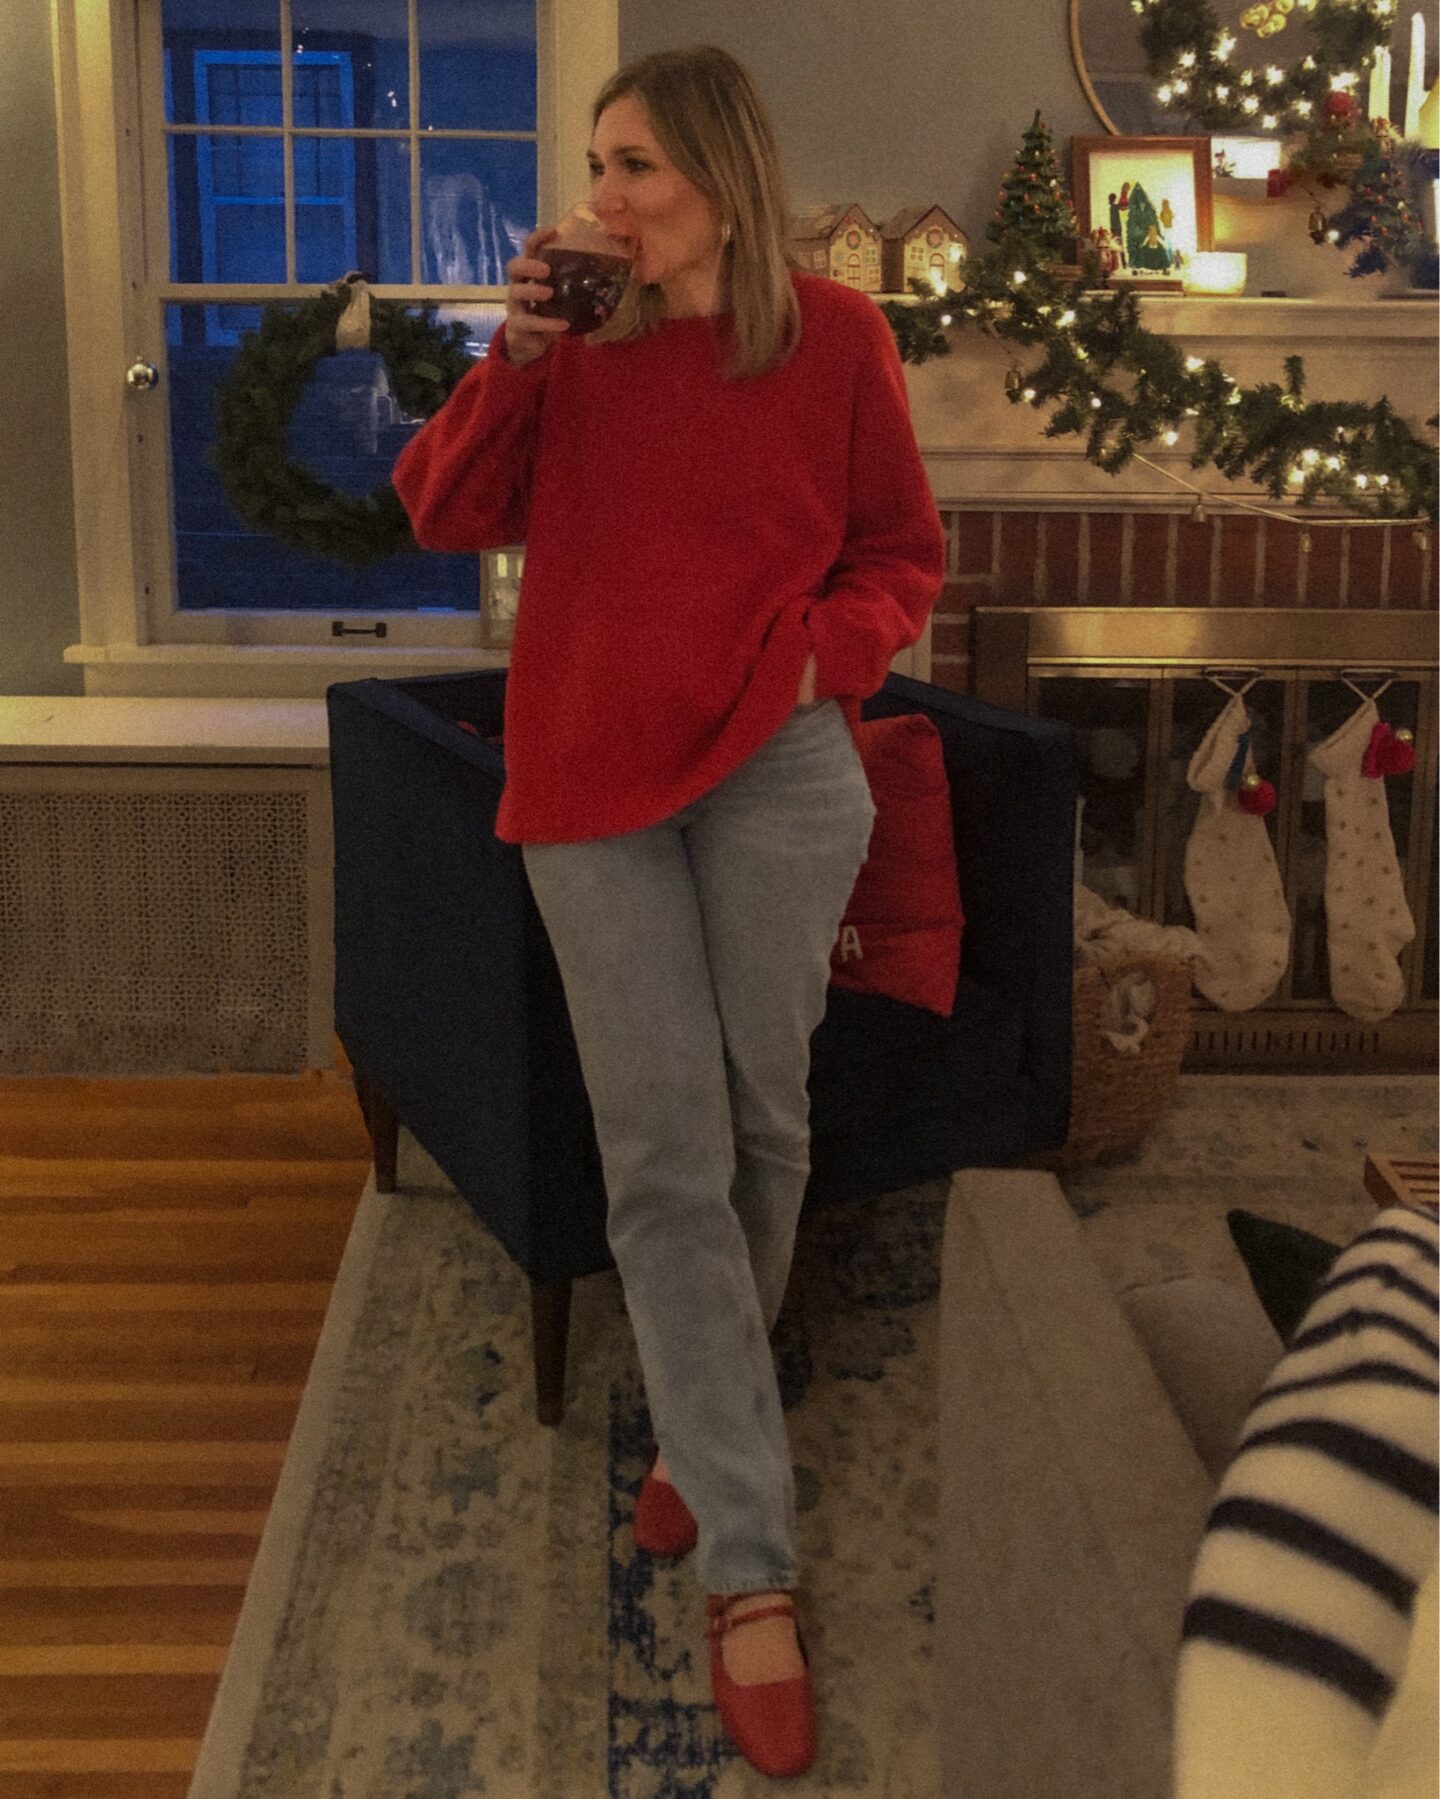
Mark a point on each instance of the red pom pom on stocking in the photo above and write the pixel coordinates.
(1256, 796)
(1387, 753)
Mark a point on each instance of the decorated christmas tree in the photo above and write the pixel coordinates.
(1380, 215)
(1035, 215)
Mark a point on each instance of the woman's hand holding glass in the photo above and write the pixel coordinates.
(576, 288)
(527, 334)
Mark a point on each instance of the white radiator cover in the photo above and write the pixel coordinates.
(164, 920)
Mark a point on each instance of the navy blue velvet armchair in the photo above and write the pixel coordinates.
(451, 1009)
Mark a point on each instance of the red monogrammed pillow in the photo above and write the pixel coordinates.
(901, 932)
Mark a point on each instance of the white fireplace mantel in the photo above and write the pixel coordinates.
(981, 448)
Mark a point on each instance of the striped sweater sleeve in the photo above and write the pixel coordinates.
(1298, 1632)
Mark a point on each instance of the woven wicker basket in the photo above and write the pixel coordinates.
(1115, 1099)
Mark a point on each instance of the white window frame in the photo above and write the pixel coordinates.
(130, 643)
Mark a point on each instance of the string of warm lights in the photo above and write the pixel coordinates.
(1190, 59)
(1362, 455)
(1207, 501)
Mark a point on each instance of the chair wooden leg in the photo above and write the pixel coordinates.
(383, 1126)
(550, 1332)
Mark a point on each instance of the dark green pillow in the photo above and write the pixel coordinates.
(1286, 1266)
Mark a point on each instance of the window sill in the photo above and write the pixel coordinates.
(237, 671)
(190, 732)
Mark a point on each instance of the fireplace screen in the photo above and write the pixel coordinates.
(1141, 687)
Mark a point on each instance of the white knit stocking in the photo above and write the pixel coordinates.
(1367, 917)
(1231, 879)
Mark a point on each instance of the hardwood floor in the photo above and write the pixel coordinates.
(167, 1250)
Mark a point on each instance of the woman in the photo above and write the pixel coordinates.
(729, 534)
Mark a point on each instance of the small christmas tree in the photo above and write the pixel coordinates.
(1035, 217)
(1380, 214)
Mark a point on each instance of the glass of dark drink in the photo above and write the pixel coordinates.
(589, 271)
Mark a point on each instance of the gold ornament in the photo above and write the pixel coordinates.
(1250, 782)
(1402, 735)
(1265, 20)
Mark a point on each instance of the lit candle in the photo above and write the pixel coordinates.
(1379, 105)
(1415, 80)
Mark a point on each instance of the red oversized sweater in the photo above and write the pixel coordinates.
(689, 542)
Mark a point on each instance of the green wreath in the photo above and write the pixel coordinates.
(1189, 55)
(424, 361)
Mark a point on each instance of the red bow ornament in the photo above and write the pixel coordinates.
(1389, 752)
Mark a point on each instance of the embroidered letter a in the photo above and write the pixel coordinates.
(848, 944)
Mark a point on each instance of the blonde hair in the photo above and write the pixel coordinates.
(712, 125)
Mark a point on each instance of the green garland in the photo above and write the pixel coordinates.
(1189, 55)
(424, 361)
(1125, 387)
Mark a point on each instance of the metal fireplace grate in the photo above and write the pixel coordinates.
(1132, 683)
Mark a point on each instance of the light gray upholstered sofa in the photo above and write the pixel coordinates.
(1081, 1439)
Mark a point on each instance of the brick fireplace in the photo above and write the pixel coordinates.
(1072, 557)
(1050, 557)
(1140, 685)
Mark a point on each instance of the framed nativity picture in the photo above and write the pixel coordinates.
(1145, 199)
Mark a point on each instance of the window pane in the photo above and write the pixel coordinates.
(477, 64)
(348, 431)
(482, 323)
(478, 201)
(352, 208)
(323, 90)
(242, 168)
(382, 210)
(370, 35)
(194, 87)
(227, 208)
(324, 243)
(238, 89)
(325, 170)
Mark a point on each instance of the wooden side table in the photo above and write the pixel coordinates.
(1403, 1181)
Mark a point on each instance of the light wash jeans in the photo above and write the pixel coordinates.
(695, 956)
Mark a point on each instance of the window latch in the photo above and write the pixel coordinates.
(337, 629)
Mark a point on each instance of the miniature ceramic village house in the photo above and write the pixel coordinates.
(839, 241)
(919, 243)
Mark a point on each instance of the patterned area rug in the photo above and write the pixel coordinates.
(447, 1600)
